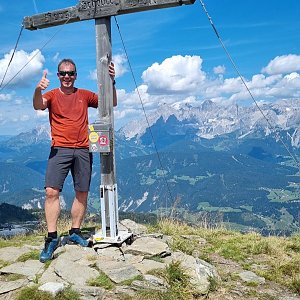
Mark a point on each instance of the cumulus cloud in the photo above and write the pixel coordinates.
(283, 64)
(119, 61)
(175, 80)
(180, 79)
(175, 74)
(23, 67)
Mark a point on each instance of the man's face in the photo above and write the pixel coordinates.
(67, 75)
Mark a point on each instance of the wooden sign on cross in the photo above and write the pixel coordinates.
(94, 9)
(101, 11)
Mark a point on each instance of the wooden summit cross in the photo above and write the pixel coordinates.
(101, 133)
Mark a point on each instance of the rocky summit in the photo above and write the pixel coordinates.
(130, 268)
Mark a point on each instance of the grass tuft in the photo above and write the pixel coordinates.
(102, 281)
(34, 255)
(30, 293)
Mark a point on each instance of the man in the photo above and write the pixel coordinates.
(68, 117)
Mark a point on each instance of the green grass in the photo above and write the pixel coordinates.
(281, 255)
(129, 281)
(32, 293)
(16, 241)
(34, 254)
(3, 263)
(102, 281)
(179, 286)
(14, 277)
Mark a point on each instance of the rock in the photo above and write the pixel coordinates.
(118, 271)
(7, 286)
(73, 272)
(11, 254)
(124, 290)
(148, 247)
(157, 282)
(249, 276)
(89, 292)
(52, 287)
(50, 276)
(146, 265)
(200, 272)
(131, 226)
(29, 268)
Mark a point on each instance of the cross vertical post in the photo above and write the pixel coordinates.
(108, 187)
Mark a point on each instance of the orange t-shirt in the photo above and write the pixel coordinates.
(68, 116)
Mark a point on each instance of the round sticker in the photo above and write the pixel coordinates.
(103, 140)
(93, 137)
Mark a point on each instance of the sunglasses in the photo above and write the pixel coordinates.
(64, 73)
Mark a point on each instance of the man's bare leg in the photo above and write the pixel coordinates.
(52, 208)
(79, 208)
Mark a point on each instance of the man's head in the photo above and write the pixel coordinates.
(67, 73)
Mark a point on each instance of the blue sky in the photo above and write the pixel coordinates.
(174, 53)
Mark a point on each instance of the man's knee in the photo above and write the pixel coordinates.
(52, 194)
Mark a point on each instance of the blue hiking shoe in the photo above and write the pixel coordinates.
(77, 238)
(50, 246)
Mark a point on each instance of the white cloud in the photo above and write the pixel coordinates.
(56, 58)
(24, 118)
(5, 97)
(119, 61)
(126, 113)
(42, 113)
(283, 64)
(23, 67)
(180, 79)
(93, 75)
(174, 81)
(219, 70)
(175, 74)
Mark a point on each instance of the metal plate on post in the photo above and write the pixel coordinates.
(99, 137)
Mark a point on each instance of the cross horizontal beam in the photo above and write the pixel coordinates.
(94, 9)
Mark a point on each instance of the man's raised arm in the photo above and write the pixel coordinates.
(38, 101)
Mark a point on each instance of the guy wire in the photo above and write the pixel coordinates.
(39, 51)
(144, 111)
(14, 51)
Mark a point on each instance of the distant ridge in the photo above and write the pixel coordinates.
(11, 213)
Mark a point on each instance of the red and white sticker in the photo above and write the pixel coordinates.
(103, 140)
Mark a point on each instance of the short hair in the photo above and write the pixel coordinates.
(66, 61)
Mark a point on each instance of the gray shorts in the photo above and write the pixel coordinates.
(62, 160)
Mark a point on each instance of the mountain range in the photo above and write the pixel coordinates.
(237, 163)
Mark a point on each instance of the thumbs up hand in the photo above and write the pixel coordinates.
(44, 82)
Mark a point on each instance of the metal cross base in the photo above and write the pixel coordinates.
(123, 236)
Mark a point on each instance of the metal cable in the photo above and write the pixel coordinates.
(272, 127)
(14, 51)
(144, 111)
(39, 51)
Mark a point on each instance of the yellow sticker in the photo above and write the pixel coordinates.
(91, 128)
(93, 137)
